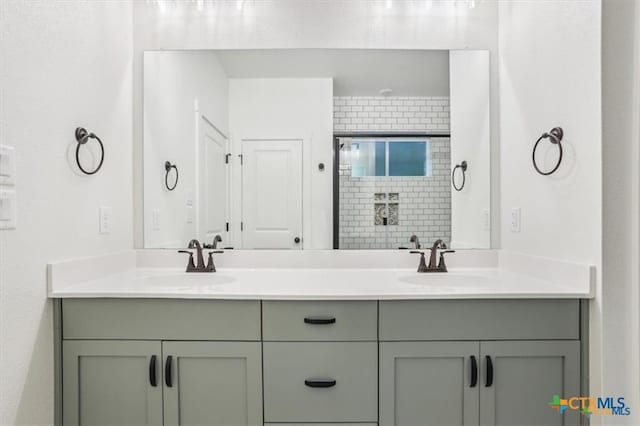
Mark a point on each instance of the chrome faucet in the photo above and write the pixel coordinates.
(200, 267)
(433, 266)
(217, 239)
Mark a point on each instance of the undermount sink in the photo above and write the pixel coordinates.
(185, 280)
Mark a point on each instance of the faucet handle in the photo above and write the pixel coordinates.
(441, 264)
(417, 252)
(211, 267)
(190, 265)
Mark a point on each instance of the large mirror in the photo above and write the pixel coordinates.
(317, 148)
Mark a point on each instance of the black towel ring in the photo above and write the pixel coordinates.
(82, 137)
(462, 166)
(167, 168)
(555, 137)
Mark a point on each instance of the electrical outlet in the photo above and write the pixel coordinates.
(189, 214)
(486, 220)
(155, 219)
(7, 209)
(515, 219)
(105, 220)
(7, 165)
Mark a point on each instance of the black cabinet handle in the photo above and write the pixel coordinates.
(153, 378)
(311, 320)
(474, 372)
(168, 379)
(320, 383)
(489, 381)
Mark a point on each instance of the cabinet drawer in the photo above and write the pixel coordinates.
(292, 370)
(537, 319)
(320, 320)
(158, 319)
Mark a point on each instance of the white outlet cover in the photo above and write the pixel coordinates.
(486, 220)
(515, 219)
(155, 219)
(7, 165)
(7, 209)
(105, 220)
(189, 218)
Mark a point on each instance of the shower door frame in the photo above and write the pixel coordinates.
(336, 165)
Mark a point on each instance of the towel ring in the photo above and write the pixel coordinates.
(167, 168)
(555, 137)
(82, 137)
(462, 166)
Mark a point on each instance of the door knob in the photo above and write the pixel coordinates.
(296, 240)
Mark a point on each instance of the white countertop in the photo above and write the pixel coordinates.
(121, 277)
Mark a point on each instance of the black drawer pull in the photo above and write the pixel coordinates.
(168, 379)
(489, 381)
(320, 383)
(153, 378)
(310, 320)
(474, 372)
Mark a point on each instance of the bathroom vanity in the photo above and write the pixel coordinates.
(435, 352)
(226, 362)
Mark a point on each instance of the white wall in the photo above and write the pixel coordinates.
(321, 24)
(621, 200)
(64, 64)
(470, 142)
(550, 76)
(289, 108)
(174, 82)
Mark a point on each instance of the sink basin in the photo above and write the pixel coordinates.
(185, 280)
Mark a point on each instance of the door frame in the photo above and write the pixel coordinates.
(199, 119)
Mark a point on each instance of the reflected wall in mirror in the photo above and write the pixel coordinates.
(317, 148)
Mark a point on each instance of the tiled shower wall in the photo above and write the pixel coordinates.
(381, 113)
(424, 203)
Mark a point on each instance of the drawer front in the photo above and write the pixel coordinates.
(292, 370)
(479, 320)
(158, 319)
(320, 320)
(321, 424)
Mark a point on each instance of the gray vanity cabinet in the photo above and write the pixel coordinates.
(212, 383)
(161, 362)
(526, 375)
(108, 383)
(431, 383)
(428, 383)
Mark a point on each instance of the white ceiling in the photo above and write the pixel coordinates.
(356, 72)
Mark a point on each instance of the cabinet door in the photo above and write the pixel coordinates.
(110, 383)
(526, 376)
(429, 383)
(212, 383)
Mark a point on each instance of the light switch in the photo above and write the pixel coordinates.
(7, 209)
(155, 219)
(7, 165)
(515, 219)
(105, 220)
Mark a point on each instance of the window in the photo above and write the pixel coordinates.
(390, 157)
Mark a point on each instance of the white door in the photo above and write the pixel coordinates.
(213, 184)
(272, 194)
